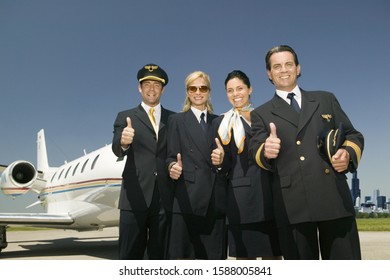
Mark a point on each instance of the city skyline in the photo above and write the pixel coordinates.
(367, 203)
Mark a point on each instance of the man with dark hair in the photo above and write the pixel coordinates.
(313, 206)
(145, 198)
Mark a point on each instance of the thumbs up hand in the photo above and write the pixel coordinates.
(272, 144)
(177, 168)
(127, 134)
(217, 154)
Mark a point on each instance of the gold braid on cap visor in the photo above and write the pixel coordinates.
(152, 78)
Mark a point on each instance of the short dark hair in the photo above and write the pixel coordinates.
(239, 75)
(280, 48)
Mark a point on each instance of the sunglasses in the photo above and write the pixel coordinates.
(202, 89)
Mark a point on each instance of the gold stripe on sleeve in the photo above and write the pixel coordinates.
(258, 157)
(355, 147)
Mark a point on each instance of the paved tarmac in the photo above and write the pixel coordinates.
(61, 245)
(102, 245)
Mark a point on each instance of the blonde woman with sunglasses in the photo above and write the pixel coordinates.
(198, 228)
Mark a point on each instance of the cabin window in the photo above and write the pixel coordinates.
(52, 178)
(75, 169)
(59, 176)
(94, 162)
(85, 164)
(67, 171)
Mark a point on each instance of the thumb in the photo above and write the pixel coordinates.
(272, 126)
(179, 162)
(129, 122)
(219, 146)
(338, 154)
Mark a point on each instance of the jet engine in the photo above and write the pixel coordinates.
(18, 178)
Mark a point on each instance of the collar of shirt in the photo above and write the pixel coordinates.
(298, 96)
(198, 112)
(157, 112)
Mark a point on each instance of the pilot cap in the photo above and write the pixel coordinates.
(152, 72)
(329, 141)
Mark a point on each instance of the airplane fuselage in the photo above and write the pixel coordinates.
(86, 188)
(81, 195)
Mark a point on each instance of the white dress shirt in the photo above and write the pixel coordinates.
(297, 96)
(198, 112)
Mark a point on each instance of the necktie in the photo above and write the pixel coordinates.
(203, 123)
(153, 120)
(294, 103)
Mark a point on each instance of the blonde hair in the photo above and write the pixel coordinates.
(192, 77)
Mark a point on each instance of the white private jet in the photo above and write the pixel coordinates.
(79, 195)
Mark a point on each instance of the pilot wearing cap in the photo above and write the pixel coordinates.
(145, 197)
(152, 72)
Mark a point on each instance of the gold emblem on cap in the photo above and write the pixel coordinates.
(150, 68)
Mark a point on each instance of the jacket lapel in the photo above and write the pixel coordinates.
(196, 133)
(144, 118)
(309, 107)
(210, 134)
(283, 110)
(164, 118)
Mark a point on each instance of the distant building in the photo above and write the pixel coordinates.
(367, 208)
(357, 203)
(375, 196)
(375, 203)
(381, 202)
(367, 199)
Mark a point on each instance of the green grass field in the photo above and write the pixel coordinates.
(23, 228)
(377, 224)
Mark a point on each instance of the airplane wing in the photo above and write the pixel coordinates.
(35, 219)
(2, 168)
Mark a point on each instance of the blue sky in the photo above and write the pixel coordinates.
(69, 66)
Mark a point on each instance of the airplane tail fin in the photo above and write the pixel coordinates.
(42, 161)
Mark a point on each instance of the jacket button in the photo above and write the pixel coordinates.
(302, 158)
(155, 173)
(299, 142)
(327, 171)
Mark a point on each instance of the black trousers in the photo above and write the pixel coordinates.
(199, 237)
(334, 240)
(143, 232)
